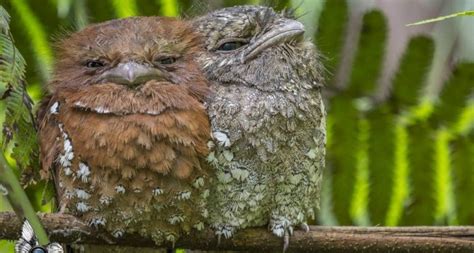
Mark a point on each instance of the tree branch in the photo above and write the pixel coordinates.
(67, 229)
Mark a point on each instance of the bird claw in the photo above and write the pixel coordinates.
(223, 230)
(219, 236)
(304, 227)
(282, 228)
(286, 241)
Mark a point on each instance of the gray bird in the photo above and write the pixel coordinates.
(267, 117)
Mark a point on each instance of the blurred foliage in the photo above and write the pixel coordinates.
(19, 134)
(401, 161)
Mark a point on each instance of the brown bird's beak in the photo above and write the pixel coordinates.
(285, 31)
(132, 74)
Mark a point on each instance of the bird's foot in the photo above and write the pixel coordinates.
(283, 227)
(304, 227)
(225, 230)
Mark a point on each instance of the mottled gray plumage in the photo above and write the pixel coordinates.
(268, 120)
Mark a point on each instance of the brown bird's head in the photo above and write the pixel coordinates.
(255, 46)
(128, 55)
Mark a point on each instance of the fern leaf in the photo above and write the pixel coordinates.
(381, 154)
(18, 127)
(445, 212)
(125, 8)
(330, 33)
(421, 204)
(463, 177)
(341, 155)
(169, 8)
(454, 96)
(36, 37)
(400, 186)
(369, 57)
(409, 80)
(360, 196)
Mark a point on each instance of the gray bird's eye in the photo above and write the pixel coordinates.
(231, 45)
(166, 60)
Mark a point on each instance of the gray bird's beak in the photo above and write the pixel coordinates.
(287, 30)
(132, 74)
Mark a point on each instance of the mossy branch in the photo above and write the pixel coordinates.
(67, 229)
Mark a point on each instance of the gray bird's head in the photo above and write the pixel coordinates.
(256, 46)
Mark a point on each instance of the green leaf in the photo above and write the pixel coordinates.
(169, 8)
(341, 155)
(37, 36)
(421, 205)
(410, 78)
(360, 196)
(125, 8)
(330, 35)
(445, 212)
(463, 177)
(381, 161)
(18, 126)
(400, 187)
(7, 246)
(455, 95)
(369, 57)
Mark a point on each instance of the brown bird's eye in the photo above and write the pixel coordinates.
(231, 45)
(166, 60)
(94, 64)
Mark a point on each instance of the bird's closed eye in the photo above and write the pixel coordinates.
(231, 45)
(94, 64)
(166, 60)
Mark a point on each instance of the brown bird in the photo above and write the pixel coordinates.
(124, 128)
(267, 117)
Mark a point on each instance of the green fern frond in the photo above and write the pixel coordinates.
(4, 21)
(400, 187)
(7, 246)
(445, 206)
(465, 122)
(18, 128)
(410, 78)
(407, 87)
(37, 36)
(64, 7)
(360, 196)
(80, 13)
(369, 57)
(421, 204)
(381, 166)
(169, 8)
(19, 122)
(454, 96)
(125, 8)
(341, 154)
(330, 35)
(463, 177)
(326, 214)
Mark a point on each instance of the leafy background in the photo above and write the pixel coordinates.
(400, 99)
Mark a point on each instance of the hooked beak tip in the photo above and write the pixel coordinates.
(132, 74)
(289, 30)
